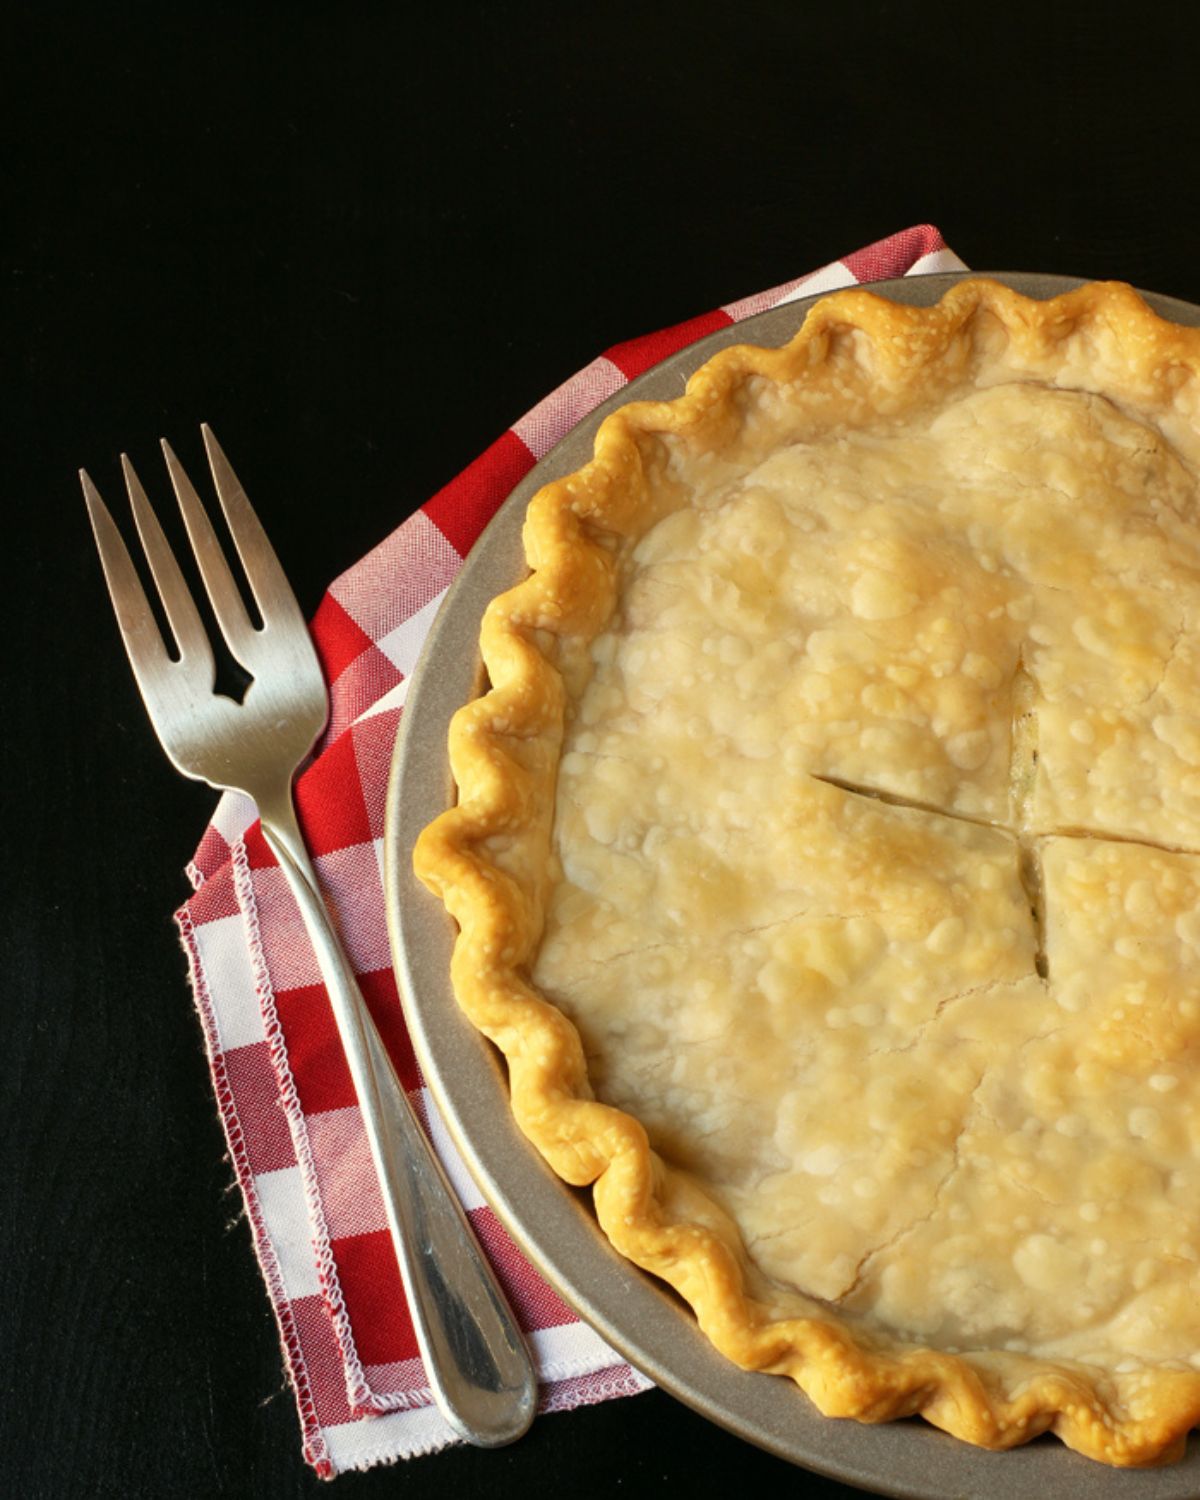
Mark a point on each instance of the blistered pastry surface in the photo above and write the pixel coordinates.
(828, 1007)
(866, 876)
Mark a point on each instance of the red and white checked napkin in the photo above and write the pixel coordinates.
(295, 1135)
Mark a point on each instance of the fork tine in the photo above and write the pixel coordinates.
(227, 603)
(276, 601)
(139, 630)
(186, 625)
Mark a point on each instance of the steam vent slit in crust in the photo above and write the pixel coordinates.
(827, 858)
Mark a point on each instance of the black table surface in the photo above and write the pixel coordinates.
(360, 241)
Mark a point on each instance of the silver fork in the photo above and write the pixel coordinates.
(474, 1355)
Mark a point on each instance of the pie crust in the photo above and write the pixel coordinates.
(827, 858)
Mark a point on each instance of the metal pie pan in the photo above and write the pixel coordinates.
(553, 1223)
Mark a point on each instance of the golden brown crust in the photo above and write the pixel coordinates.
(489, 858)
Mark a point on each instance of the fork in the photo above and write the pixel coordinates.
(476, 1360)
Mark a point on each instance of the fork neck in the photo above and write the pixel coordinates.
(281, 828)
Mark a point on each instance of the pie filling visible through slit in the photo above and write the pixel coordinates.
(839, 784)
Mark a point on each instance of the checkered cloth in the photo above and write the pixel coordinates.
(295, 1135)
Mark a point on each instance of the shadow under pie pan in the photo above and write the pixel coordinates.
(554, 1224)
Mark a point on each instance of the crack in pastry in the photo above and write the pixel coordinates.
(849, 845)
(1029, 870)
(894, 800)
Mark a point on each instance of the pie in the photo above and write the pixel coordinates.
(827, 858)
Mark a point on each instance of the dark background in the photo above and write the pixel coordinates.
(360, 241)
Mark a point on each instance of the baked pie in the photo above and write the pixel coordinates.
(827, 858)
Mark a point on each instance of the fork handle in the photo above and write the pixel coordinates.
(475, 1358)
